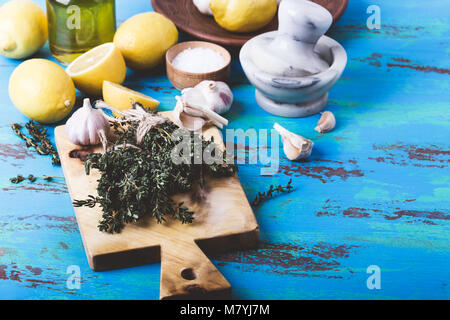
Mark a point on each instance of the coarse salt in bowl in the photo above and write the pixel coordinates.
(199, 60)
(189, 63)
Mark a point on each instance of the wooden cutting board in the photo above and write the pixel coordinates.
(223, 221)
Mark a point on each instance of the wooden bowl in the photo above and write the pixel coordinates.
(182, 79)
(186, 17)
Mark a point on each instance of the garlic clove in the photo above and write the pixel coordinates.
(326, 123)
(195, 105)
(193, 97)
(185, 120)
(295, 147)
(203, 103)
(203, 6)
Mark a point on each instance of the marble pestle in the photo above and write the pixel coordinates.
(291, 67)
(291, 52)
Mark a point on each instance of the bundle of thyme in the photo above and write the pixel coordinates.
(139, 177)
(38, 139)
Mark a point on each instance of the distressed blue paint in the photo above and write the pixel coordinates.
(376, 190)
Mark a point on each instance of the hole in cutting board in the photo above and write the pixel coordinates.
(188, 274)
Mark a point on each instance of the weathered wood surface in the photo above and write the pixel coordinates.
(375, 191)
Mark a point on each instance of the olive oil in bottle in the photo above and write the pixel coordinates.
(76, 26)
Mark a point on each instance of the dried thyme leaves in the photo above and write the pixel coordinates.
(140, 179)
(19, 178)
(262, 196)
(38, 139)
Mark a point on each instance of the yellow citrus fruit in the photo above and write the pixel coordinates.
(89, 70)
(144, 39)
(122, 98)
(243, 15)
(42, 90)
(23, 29)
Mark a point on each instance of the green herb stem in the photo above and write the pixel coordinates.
(262, 196)
(38, 139)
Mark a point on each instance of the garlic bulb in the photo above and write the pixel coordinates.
(218, 96)
(203, 6)
(295, 146)
(87, 126)
(326, 123)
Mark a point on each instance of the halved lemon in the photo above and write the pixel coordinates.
(122, 98)
(101, 63)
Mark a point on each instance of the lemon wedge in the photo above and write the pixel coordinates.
(101, 63)
(122, 98)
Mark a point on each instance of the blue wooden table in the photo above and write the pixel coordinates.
(376, 191)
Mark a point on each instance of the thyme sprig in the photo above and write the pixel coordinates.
(139, 179)
(38, 139)
(262, 196)
(19, 178)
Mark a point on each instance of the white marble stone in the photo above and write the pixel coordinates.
(294, 68)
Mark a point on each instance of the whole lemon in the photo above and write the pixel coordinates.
(144, 39)
(42, 90)
(243, 15)
(23, 29)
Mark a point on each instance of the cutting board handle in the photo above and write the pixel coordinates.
(187, 273)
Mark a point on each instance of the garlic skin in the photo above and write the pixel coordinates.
(295, 147)
(218, 96)
(87, 126)
(326, 123)
(203, 6)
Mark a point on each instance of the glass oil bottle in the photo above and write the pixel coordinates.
(76, 26)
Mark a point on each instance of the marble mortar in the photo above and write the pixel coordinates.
(293, 68)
